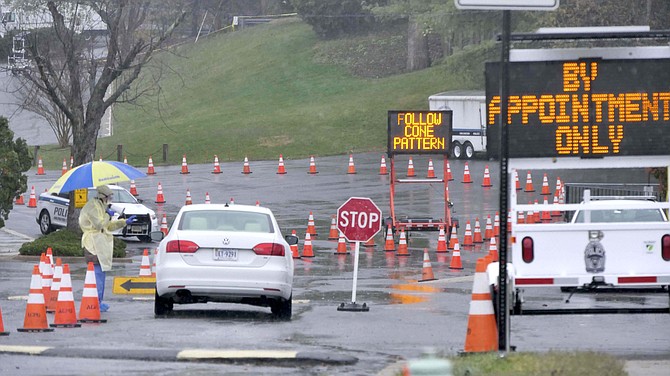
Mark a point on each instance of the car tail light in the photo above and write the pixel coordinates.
(665, 247)
(527, 250)
(269, 249)
(181, 246)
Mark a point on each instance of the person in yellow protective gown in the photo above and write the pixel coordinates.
(97, 221)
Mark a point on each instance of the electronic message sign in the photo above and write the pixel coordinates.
(588, 108)
(419, 132)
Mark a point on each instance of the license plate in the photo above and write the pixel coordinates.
(225, 254)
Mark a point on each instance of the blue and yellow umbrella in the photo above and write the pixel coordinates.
(95, 174)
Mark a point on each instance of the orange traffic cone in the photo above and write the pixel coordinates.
(545, 186)
(89, 309)
(487, 178)
(333, 234)
(159, 195)
(189, 199)
(352, 168)
(294, 247)
(477, 236)
(246, 169)
(467, 237)
(207, 200)
(71, 160)
(32, 200)
(496, 224)
(382, 167)
(19, 200)
(217, 166)
(125, 160)
(410, 168)
(153, 264)
(520, 219)
(431, 169)
(281, 170)
(493, 249)
(145, 266)
(482, 333)
(341, 245)
(402, 244)
(310, 225)
(529, 183)
(133, 188)
(466, 174)
(370, 243)
(164, 226)
(150, 167)
(35, 319)
(530, 217)
(66, 313)
(456, 258)
(545, 215)
(40, 167)
(536, 214)
(184, 165)
(555, 213)
(47, 279)
(312, 166)
(453, 237)
(557, 191)
(488, 231)
(427, 271)
(64, 169)
(389, 244)
(307, 250)
(441, 241)
(55, 286)
(50, 256)
(517, 184)
(2, 326)
(450, 177)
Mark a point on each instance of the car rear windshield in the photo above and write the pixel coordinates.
(225, 220)
(622, 215)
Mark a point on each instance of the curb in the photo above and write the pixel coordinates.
(187, 355)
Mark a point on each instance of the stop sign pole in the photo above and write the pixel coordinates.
(359, 219)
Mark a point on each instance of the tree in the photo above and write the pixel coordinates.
(61, 68)
(14, 161)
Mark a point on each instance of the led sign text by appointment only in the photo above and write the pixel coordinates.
(585, 108)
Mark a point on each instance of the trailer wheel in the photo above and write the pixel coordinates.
(456, 150)
(469, 150)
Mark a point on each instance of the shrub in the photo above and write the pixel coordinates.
(64, 243)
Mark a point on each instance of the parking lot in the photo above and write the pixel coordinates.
(405, 316)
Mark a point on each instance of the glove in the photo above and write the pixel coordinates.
(110, 212)
(130, 219)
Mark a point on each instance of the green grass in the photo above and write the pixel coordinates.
(539, 364)
(261, 92)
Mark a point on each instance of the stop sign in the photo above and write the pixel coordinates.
(359, 219)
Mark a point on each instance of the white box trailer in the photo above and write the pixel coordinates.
(469, 120)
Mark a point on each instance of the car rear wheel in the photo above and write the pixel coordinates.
(162, 305)
(45, 222)
(283, 308)
(456, 150)
(469, 150)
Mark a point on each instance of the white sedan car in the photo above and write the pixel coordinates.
(225, 253)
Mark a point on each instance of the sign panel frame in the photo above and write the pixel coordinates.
(601, 108)
(508, 4)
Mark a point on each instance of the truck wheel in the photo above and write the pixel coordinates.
(456, 150)
(469, 151)
(45, 222)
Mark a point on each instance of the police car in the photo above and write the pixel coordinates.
(52, 213)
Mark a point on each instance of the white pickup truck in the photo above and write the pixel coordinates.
(608, 242)
(52, 211)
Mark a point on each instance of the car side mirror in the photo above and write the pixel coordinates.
(156, 236)
(291, 239)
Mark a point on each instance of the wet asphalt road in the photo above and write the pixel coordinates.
(405, 317)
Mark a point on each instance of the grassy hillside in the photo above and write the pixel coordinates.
(260, 92)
